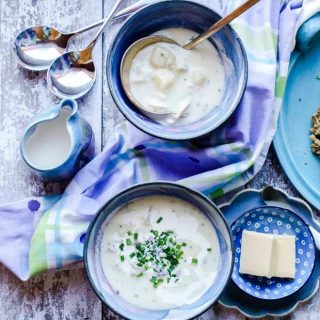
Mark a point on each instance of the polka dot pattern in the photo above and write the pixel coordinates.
(275, 221)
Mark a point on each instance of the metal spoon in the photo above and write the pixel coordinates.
(35, 48)
(137, 46)
(73, 74)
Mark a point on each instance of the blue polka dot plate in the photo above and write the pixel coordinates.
(274, 220)
(270, 210)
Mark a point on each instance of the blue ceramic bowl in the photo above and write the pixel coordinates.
(192, 16)
(92, 255)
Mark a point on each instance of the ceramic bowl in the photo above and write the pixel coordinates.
(192, 16)
(92, 249)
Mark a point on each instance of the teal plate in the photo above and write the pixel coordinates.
(301, 100)
(234, 296)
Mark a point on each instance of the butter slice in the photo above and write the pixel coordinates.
(267, 255)
(256, 253)
(284, 256)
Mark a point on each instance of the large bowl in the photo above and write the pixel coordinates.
(92, 253)
(192, 16)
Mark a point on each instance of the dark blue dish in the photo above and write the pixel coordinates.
(92, 256)
(274, 220)
(248, 202)
(192, 16)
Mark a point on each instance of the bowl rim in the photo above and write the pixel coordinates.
(305, 224)
(146, 185)
(163, 134)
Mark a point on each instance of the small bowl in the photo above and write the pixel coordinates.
(192, 16)
(92, 249)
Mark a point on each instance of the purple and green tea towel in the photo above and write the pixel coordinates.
(48, 232)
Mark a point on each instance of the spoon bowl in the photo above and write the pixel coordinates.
(72, 75)
(35, 48)
(125, 67)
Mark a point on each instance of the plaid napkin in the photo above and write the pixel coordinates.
(48, 232)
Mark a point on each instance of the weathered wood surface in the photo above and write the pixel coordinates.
(67, 294)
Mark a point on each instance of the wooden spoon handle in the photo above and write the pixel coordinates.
(221, 23)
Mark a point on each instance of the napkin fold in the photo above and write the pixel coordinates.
(44, 233)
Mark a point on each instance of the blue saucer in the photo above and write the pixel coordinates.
(274, 220)
(238, 213)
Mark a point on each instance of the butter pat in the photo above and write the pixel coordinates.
(256, 253)
(285, 256)
(267, 255)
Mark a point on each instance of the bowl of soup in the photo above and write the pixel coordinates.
(159, 251)
(202, 86)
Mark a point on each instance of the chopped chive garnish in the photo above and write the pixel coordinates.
(156, 281)
(209, 249)
(194, 261)
(160, 253)
(140, 275)
(159, 220)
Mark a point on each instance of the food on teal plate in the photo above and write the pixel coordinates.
(315, 133)
(160, 252)
(268, 255)
(166, 78)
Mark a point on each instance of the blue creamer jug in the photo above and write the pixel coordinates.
(58, 142)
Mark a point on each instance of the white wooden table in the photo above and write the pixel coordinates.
(67, 294)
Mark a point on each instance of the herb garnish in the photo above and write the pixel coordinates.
(159, 220)
(161, 253)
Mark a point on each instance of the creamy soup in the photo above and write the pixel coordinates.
(50, 143)
(160, 252)
(167, 78)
